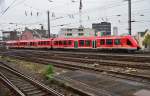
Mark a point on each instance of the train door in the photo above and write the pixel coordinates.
(94, 43)
(75, 44)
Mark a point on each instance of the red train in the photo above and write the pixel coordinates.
(105, 42)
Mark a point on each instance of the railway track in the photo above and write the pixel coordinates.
(89, 55)
(72, 64)
(91, 62)
(76, 66)
(23, 85)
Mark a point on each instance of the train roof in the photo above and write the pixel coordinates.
(101, 37)
(32, 40)
(113, 37)
(74, 38)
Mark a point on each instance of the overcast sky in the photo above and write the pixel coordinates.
(93, 11)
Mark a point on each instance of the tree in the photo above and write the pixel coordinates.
(146, 41)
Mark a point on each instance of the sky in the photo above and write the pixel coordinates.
(66, 13)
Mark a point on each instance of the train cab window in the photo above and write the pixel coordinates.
(81, 42)
(69, 42)
(129, 42)
(109, 41)
(88, 43)
(102, 41)
(117, 42)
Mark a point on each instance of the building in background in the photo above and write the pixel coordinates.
(140, 38)
(76, 32)
(104, 28)
(115, 31)
(29, 34)
(10, 35)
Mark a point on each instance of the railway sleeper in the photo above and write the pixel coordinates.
(30, 89)
(34, 92)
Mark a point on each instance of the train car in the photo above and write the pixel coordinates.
(73, 43)
(44, 43)
(85, 43)
(12, 44)
(104, 42)
(65, 43)
(22, 43)
(32, 44)
(117, 43)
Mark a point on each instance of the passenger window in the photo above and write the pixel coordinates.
(88, 43)
(48, 42)
(65, 42)
(39, 43)
(70, 42)
(81, 42)
(30, 43)
(109, 41)
(45, 43)
(34, 43)
(60, 42)
(55, 42)
(102, 41)
(129, 42)
(117, 42)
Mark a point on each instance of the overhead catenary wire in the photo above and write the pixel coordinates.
(77, 14)
(8, 7)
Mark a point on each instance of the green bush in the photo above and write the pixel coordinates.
(49, 72)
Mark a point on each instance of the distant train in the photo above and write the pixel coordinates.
(104, 42)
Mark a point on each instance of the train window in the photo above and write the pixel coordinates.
(81, 42)
(48, 42)
(34, 43)
(30, 43)
(39, 43)
(60, 42)
(69, 42)
(129, 42)
(109, 41)
(44, 42)
(88, 42)
(65, 42)
(102, 41)
(55, 42)
(117, 42)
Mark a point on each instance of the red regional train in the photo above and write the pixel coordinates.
(104, 42)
